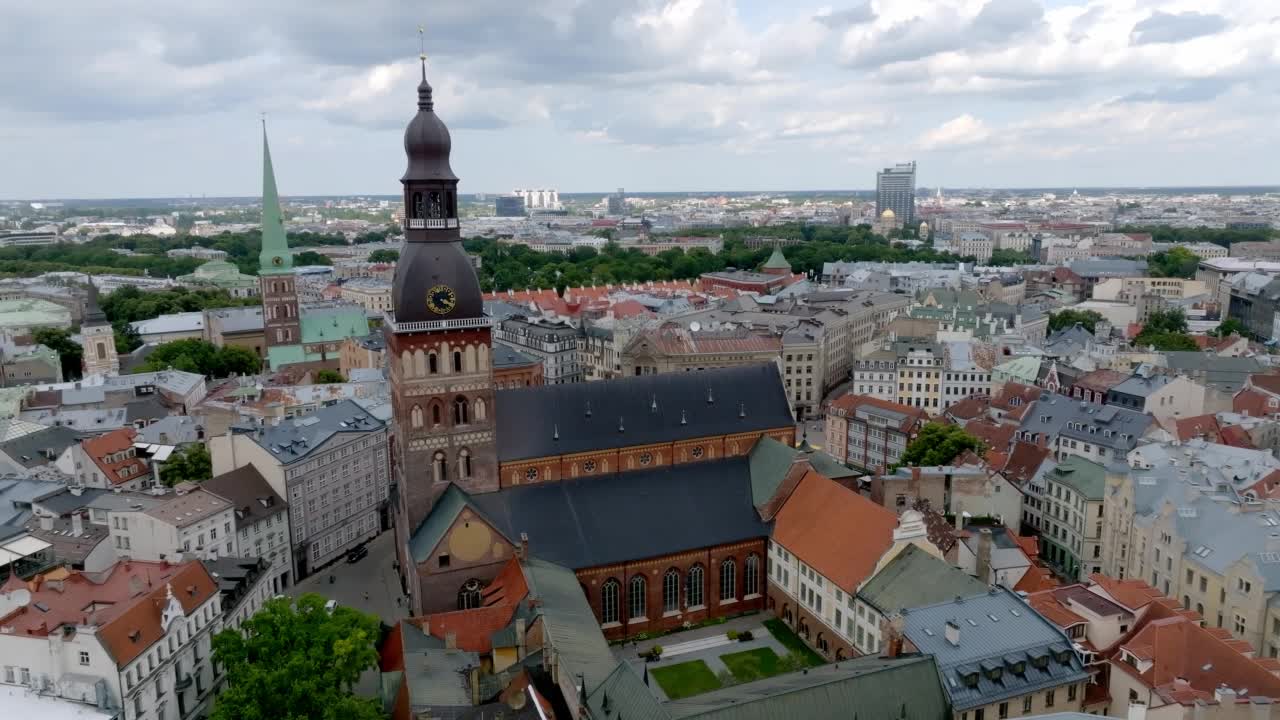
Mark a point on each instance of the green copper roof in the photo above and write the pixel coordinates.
(770, 460)
(914, 578)
(1087, 478)
(777, 261)
(334, 324)
(275, 258)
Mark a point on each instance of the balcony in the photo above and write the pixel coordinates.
(183, 682)
(430, 223)
(389, 319)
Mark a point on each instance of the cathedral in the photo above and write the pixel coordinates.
(646, 487)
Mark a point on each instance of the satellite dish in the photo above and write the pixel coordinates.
(695, 326)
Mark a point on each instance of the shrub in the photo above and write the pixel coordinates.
(745, 636)
(732, 635)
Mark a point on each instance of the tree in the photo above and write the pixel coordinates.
(938, 444)
(1178, 262)
(326, 376)
(311, 257)
(1087, 319)
(1166, 330)
(1004, 256)
(297, 661)
(384, 256)
(1229, 327)
(1166, 321)
(127, 337)
(70, 353)
(201, 357)
(191, 464)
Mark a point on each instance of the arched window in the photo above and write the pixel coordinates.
(671, 591)
(469, 595)
(693, 587)
(636, 601)
(435, 413)
(406, 363)
(469, 360)
(464, 462)
(415, 416)
(482, 358)
(480, 409)
(609, 601)
(419, 363)
(751, 575)
(457, 361)
(433, 363)
(460, 412)
(1200, 609)
(435, 207)
(438, 466)
(728, 579)
(417, 205)
(453, 208)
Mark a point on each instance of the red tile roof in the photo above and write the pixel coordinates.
(849, 404)
(1253, 402)
(128, 600)
(1198, 426)
(836, 531)
(1266, 382)
(1236, 436)
(1101, 380)
(1132, 594)
(969, 408)
(114, 455)
(996, 437)
(1015, 398)
(472, 629)
(1189, 663)
(1024, 460)
(673, 339)
(1036, 579)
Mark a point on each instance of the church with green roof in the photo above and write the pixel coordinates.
(295, 335)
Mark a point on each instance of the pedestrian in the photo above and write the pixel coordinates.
(366, 596)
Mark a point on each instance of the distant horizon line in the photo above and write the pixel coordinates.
(1255, 189)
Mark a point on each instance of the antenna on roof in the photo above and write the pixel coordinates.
(621, 428)
(711, 400)
(588, 408)
(653, 405)
(555, 435)
(742, 410)
(683, 419)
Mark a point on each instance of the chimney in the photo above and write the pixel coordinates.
(959, 521)
(77, 524)
(524, 546)
(46, 523)
(520, 631)
(426, 626)
(77, 490)
(1227, 698)
(451, 640)
(984, 555)
(1137, 710)
(952, 633)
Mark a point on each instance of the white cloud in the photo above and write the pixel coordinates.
(960, 131)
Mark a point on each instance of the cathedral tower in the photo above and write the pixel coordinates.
(438, 339)
(99, 339)
(282, 324)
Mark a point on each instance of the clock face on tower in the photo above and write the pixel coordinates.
(441, 299)
(277, 261)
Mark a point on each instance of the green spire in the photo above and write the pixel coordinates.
(777, 261)
(275, 257)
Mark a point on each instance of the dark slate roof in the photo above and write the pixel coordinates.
(576, 523)
(505, 356)
(249, 492)
(65, 502)
(649, 409)
(294, 439)
(868, 687)
(26, 450)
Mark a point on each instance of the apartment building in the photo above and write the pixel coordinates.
(675, 347)
(1071, 534)
(1188, 519)
(374, 295)
(1071, 427)
(135, 639)
(1130, 289)
(920, 368)
(553, 342)
(261, 521)
(966, 371)
(330, 466)
(868, 432)
(876, 375)
(1167, 397)
(188, 522)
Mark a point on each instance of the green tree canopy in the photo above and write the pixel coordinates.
(1178, 262)
(1004, 256)
(1229, 327)
(938, 444)
(1166, 330)
(297, 661)
(326, 376)
(311, 257)
(384, 256)
(190, 464)
(201, 357)
(69, 351)
(129, 304)
(1066, 318)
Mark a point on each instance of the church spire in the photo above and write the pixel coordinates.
(93, 314)
(275, 257)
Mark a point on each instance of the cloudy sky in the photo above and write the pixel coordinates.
(125, 98)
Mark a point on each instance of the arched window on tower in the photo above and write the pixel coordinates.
(435, 413)
(433, 363)
(469, 595)
(481, 411)
(457, 361)
(415, 416)
(417, 205)
(460, 411)
(728, 579)
(609, 602)
(435, 205)
(464, 462)
(438, 466)
(450, 204)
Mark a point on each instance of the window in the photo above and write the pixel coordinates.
(469, 595)
(444, 561)
(751, 576)
(1071, 693)
(1048, 699)
(693, 587)
(671, 591)
(438, 467)
(636, 602)
(1238, 625)
(9, 675)
(84, 657)
(1026, 704)
(457, 361)
(728, 580)
(461, 410)
(609, 602)
(464, 462)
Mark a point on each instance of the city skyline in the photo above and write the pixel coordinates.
(702, 95)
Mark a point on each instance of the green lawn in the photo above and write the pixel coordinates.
(751, 665)
(685, 679)
(791, 641)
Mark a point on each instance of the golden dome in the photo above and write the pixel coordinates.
(887, 214)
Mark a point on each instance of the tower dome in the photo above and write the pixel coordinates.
(426, 140)
(888, 214)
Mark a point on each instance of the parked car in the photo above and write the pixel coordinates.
(356, 553)
(331, 606)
